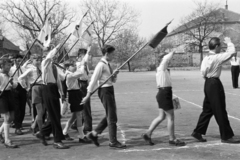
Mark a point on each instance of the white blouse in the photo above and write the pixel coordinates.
(162, 76)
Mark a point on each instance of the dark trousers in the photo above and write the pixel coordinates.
(20, 98)
(52, 104)
(235, 75)
(214, 104)
(107, 98)
(87, 114)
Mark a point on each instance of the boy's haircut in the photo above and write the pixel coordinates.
(215, 41)
(3, 61)
(107, 49)
(82, 50)
(18, 56)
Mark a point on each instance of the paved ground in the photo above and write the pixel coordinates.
(135, 96)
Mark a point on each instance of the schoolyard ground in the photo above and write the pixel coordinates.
(137, 107)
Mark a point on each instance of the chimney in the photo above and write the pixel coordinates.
(226, 6)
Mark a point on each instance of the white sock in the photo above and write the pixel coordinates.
(6, 132)
(80, 131)
(66, 128)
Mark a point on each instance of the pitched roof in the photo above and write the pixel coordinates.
(229, 16)
(7, 44)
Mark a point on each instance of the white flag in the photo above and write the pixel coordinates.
(87, 34)
(45, 34)
(77, 32)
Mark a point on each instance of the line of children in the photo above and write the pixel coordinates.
(52, 91)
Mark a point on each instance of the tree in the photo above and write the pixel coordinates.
(127, 43)
(29, 16)
(200, 24)
(110, 18)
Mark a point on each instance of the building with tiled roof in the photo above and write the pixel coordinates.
(7, 47)
(228, 21)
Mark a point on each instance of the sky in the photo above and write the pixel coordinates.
(154, 14)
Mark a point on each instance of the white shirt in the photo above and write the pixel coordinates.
(162, 76)
(212, 64)
(47, 71)
(235, 62)
(29, 77)
(17, 74)
(72, 79)
(20, 71)
(84, 76)
(100, 74)
(3, 82)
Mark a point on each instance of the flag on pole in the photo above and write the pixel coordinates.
(77, 32)
(159, 36)
(87, 35)
(45, 34)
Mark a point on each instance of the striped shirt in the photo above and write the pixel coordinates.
(211, 66)
(162, 76)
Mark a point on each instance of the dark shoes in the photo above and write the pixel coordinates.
(177, 142)
(10, 145)
(18, 132)
(42, 138)
(198, 136)
(59, 145)
(117, 145)
(84, 140)
(93, 138)
(231, 140)
(147, 139)
(1, 138)
(68, 138)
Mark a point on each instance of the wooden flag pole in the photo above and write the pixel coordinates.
(63, 43)
(68, 51)
(56, 52)
(125, 63)
(18, 67)
(74, 44)
(119, 68)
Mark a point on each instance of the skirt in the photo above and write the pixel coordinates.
(37, 94)
(7, 102)
(164, 98)
(75, 98)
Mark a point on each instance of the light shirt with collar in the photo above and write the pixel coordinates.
(211, 66)
(47, 71)
(17, 74)
(29, 77)
(235, 62)
(23, 68)
(85, 76)
(100, 75)
(163, 78)
(3, 82)
(72, 78)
